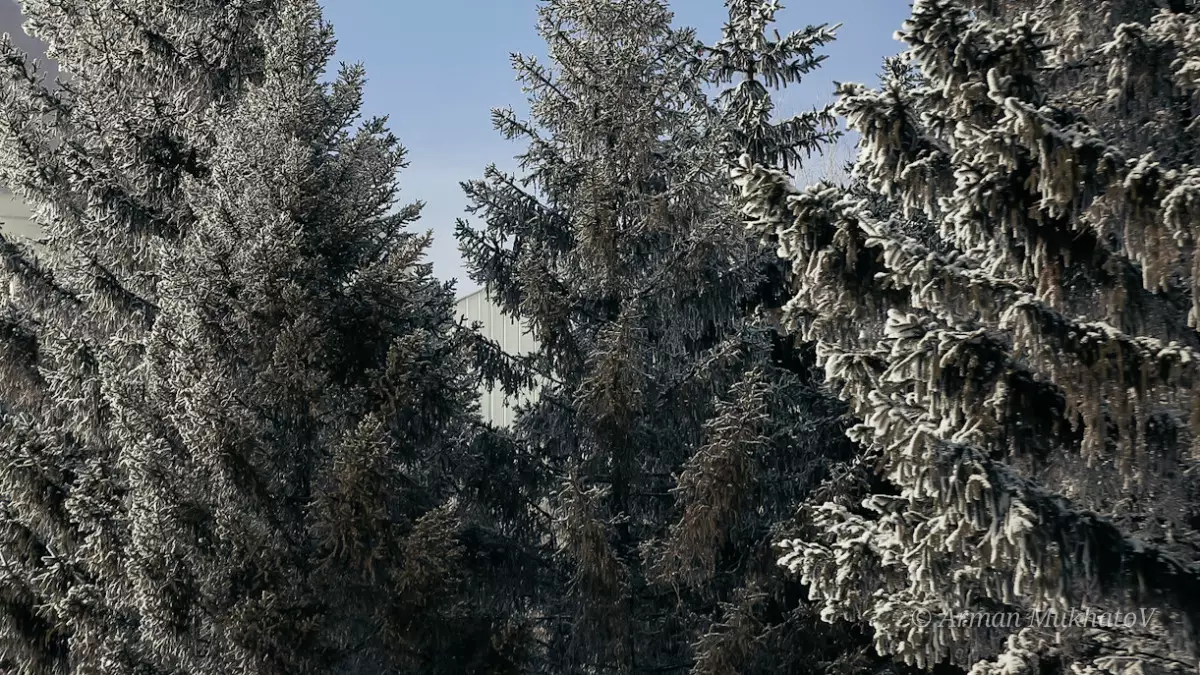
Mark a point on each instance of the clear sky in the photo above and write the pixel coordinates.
(438, 67)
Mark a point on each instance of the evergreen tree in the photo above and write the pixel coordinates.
(1024, 370)
(237, 420)
(661, 383)
(100, 158)
(756, 60)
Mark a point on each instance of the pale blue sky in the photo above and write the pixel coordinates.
(438, 67)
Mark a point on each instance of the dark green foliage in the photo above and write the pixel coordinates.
(666, 400)
(237, 429)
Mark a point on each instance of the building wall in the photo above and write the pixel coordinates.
(14, 217)
(511, 336)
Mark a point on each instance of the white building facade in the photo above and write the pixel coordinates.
(512, 336)
(15, 218)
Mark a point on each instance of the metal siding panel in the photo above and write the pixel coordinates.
(511, 336)
(15, 217)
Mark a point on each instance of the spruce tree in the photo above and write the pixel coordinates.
(100, 158)
(748, 63)
(1023, 370)
(237, 420)
(661, 382)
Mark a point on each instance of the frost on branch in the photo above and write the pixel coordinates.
(233, 408)
(1027, 372)
(667, 389)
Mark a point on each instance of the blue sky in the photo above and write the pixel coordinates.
(438, 67)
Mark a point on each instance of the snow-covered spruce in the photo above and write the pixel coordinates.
(235, 420)
(1025, 374)
(661, 389)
